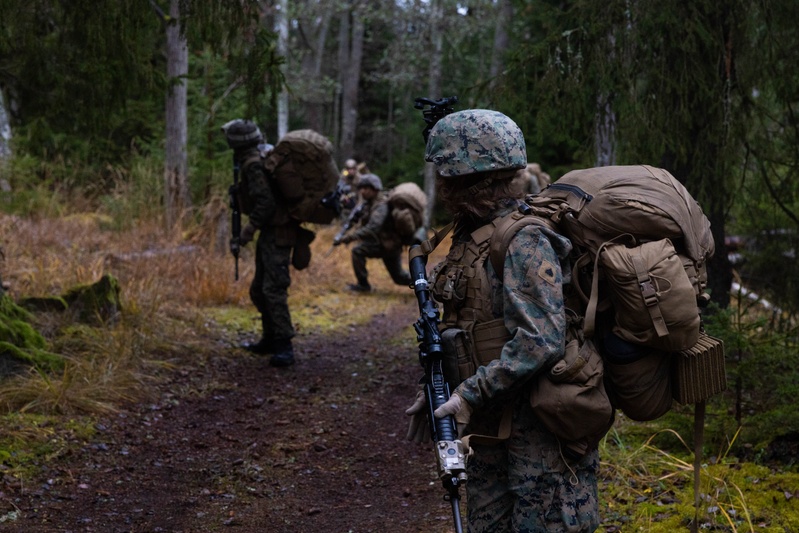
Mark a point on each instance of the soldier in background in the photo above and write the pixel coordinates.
(347, 188)
(524, 482)
(531, 179)
(377, 237)
(278, 235)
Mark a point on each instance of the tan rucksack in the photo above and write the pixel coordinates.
(303, 170)
(604, 210)
(645, 243)
(407, 203)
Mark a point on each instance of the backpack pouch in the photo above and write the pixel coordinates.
(699, 372)
(570, 399)
(642, 388)
(458, 363)
(404, 223)
(654, 300)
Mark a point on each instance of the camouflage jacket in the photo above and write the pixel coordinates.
(258, 199)
(375, 223)
(528, 298)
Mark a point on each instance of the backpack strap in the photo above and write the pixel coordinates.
(505, 228)
(253, 158)
(427, 247)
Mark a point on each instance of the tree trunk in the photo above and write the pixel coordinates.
(282, 49)
(176, 189)
(433, 90)
(350, 82)
(605, 133)
(317, 28)
(343, 60)
(5, 131)
(504, 17)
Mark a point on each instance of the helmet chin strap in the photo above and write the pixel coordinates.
(479, 186)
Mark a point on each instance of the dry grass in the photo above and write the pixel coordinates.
(178, 283)
(179, 291)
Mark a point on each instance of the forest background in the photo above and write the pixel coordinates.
(113, 109)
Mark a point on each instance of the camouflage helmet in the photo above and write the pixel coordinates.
(242, 133)
(475, 140)
(370, 180)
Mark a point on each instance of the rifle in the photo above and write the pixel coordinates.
(235, 223)
(449, 450)
(438, 110)
(354, 217)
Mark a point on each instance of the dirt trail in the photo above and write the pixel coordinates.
(315, 447)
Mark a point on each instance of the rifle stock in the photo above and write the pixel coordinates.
(449, 450)
(235, 210)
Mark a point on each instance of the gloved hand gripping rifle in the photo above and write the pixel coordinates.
(235, 210)
(353, 219)
(444, 432)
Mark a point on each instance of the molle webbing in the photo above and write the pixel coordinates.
(489, 338)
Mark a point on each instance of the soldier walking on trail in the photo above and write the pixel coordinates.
(278, 235)
(516, 323)
(376, 235)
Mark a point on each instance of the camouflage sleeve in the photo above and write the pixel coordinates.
(263, 199)
(532, 304)
(372, 227)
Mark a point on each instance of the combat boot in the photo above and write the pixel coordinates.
(359, 287)
(283, 354)
(262, 347)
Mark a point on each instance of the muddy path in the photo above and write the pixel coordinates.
(233, 444)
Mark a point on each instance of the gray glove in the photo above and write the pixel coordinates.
(247, 234)
(418, 428)
(457, 407)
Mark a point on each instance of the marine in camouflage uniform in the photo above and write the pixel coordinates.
(376, 236)
(347, 188)
(524, 483)
(273, 249)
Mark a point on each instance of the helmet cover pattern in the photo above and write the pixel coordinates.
(370, 180)
(242, 133)
(475, 140)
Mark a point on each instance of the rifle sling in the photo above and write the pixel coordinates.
(427, 247)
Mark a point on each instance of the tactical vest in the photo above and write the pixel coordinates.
(472, 336)
(569, 398)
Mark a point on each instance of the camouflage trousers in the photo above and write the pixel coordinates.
(392, 259)
(523, 484)
(269, 287)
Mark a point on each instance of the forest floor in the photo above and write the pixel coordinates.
(217, 440)
(234, 444)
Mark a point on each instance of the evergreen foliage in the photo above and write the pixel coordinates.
(85, 82)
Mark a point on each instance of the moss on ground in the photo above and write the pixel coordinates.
(21, 345)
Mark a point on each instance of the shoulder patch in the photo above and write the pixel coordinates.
(547, 272)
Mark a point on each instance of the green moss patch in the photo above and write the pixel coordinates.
(21, 345)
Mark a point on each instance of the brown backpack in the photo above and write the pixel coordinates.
(407, 203)
(644, 243)
(303, 171)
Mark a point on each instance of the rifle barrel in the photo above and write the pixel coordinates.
(449, 450)
(456, 511)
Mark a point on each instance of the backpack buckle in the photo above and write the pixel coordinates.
(648, 292)
(451, 284)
